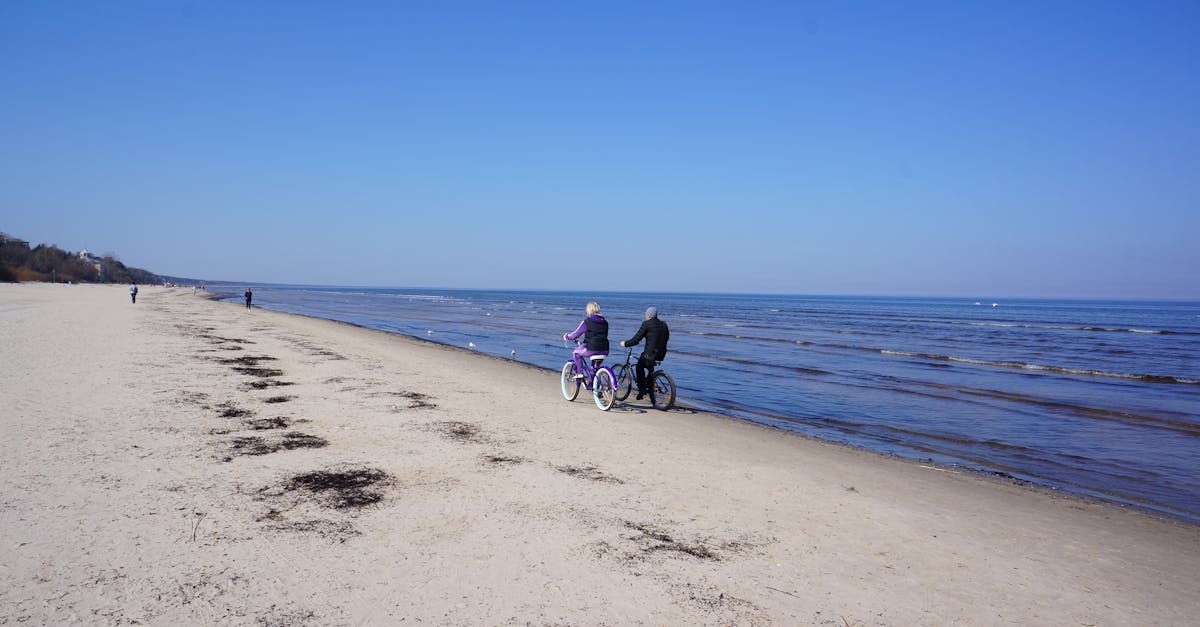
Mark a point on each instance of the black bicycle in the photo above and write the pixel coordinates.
(662, 386)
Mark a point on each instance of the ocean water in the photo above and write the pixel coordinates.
(1100, 398)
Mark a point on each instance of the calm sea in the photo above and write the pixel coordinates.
(1095, 397)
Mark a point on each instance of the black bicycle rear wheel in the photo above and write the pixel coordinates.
(662, 390)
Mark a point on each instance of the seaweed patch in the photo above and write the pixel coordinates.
(338, 530)
(259, 372)
(268, 383)
(416, 400)
(217, 339)
(459, 431)
(652, 540)
(503, 460)
(248, 360)
(588, 472)
(255, 445)
(264, 424)
(229, 410)
(342, 489)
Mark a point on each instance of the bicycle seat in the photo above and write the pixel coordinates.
(598, 357)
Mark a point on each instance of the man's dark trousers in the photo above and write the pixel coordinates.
(645, 367)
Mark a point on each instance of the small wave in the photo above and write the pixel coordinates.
(751, 362)
(1055, 327)
(751, 338)
(1112, 330)
(1177, 423)
(1147, 378)
(433, 298)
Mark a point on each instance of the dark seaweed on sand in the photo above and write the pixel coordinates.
(503, 459)
(260, 372)
(342, 489)
(263, 424)
(217, 339)
(248, 360)
(459, 431)
(588, 472)
(262, 385)
(228, 410)
(254, 445)
(416, 400)
(658, 540)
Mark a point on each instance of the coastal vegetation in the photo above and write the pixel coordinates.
(20, 262)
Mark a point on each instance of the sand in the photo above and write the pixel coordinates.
(184, 461)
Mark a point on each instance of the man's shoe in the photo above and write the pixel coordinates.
(640, 396)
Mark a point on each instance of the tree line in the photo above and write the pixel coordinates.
(19, 262)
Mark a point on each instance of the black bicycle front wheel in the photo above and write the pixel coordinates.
(624, 381)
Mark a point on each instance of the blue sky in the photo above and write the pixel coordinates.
(928, 148)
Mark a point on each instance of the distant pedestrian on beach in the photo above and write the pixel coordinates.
(248, 297)
(594, 330)
(133, 293)
(656, 333)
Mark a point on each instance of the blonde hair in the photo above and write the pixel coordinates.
(593, 307)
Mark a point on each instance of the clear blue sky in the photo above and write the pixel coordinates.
(925, 148)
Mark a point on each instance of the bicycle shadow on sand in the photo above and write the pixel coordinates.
(628, 408)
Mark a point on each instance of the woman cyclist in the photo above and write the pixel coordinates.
(594, 330)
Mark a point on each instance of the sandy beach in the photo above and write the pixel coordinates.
(185, 461)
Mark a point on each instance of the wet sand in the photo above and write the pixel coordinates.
(185, 461)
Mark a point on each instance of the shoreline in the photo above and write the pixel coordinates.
(144, 479)
(981, 473)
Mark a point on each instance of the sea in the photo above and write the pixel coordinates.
(1093, 397)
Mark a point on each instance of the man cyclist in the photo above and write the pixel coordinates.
(656, 333)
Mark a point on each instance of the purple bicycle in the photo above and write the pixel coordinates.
(596, 377)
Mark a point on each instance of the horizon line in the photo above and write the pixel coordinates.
(990, 299)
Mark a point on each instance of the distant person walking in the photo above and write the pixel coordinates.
(656, 333)
(133, 293)
(249, 296)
